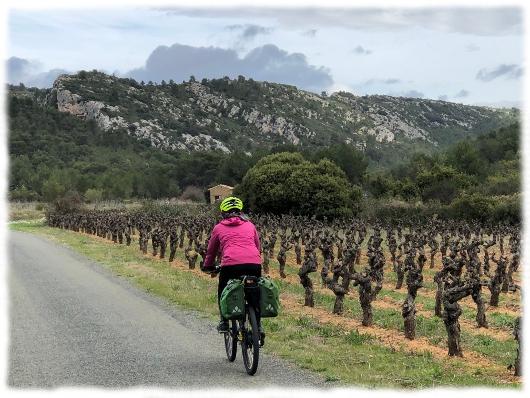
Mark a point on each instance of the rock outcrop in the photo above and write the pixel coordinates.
(243, 114)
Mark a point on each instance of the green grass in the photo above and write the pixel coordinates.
(345, 356)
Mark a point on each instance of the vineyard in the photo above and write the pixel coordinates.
(447, 289)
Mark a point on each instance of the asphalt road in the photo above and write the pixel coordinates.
(72, 323)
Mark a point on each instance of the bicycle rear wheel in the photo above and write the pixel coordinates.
(231, 341)
(250, 343)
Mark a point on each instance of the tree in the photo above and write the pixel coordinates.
(93, 195)
(21, 172)
(442, 183)
(287, 183)
(465, 157)
(52, 189)
(23, 194)
(233, 167)
(472, 207)
(348, 158)
(379, 185)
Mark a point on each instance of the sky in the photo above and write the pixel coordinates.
(468, 55)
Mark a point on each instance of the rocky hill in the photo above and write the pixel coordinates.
(225, 115)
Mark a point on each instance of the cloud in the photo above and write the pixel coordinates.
(247, 33)
(511, 71)
(409, 94)
(17, 69)
(413, 94)
(361, 50)
(371, 82)
(30, 73)
(310, 32)
(472, 48)
(462, 94)
(267, 62)
(443, 97)
(250, 31)
(501, 104)
(490, 21)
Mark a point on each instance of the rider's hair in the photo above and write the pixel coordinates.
(231, 213)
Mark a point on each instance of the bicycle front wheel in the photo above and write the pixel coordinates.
(250, 343)
(231, 341)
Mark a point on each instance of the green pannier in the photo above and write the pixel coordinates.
(269, 304)
(232, 301)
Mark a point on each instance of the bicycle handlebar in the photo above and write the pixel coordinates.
(213, 273)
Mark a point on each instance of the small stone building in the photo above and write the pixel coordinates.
(219, 192)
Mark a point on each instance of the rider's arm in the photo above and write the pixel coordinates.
(211, 252)
(256, 240)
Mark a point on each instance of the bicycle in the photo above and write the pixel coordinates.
(245, 329)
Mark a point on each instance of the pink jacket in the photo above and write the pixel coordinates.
(238, 241)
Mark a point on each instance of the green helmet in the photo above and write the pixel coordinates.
(231, 203)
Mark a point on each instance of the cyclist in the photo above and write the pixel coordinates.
(237, 239)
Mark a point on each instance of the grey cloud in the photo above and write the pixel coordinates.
(409, 93)
(462, 94)
(17, 68)
(250, 31)
(468, 20)
(413, 94)
(46, 79)
(501, 104)
(361, 50)
(267, 62)
(511, 71)
(20, 70)
(254, 30)
(310, 32)
(370, 82)
(443, 97)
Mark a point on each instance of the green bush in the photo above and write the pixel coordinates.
(52, 189)
(503, 184)
(442, 183)
(394, 210)
(507, 209)
(472, 207)
(93, 195)
(23, 194)
(71, 201)
(287, 183)
(499, 209)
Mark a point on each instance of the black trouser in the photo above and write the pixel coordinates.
(235, 271)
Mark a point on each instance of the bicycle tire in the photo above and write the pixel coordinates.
(250, 343)
(231, 342)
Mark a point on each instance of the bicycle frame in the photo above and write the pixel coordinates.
(246, 328)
